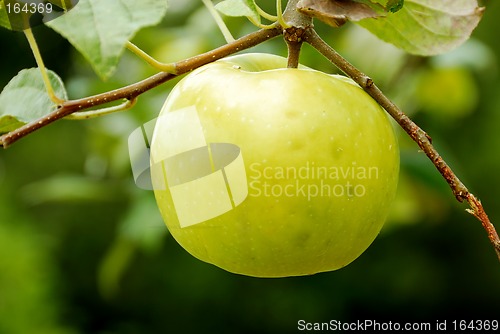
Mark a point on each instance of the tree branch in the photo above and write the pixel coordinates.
(132, 91)
(413, 130)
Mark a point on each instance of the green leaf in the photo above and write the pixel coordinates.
(246, 8)
(23, 14)
(100, 29)
(427, 27)
(25, 98)
(9, 123)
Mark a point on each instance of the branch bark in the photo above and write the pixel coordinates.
(299, 25)
(296, 24)
(132, 91)
(418, 135)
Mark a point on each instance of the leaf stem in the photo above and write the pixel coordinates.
(279, 11)
(413, 130)
(43, 70)
(266, 15)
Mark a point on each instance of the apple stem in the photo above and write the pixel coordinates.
(418, 135)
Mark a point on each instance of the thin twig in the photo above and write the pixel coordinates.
(132, 91)
(414, 131)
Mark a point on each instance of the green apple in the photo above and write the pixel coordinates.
(271, 172)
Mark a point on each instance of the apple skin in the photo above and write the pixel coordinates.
(286, 118)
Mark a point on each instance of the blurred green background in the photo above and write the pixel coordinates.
(83, 250)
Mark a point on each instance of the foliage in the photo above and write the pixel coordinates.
(427, 27)
(99, 256)
(25, 99)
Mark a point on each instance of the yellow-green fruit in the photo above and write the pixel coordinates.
(270, 172)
